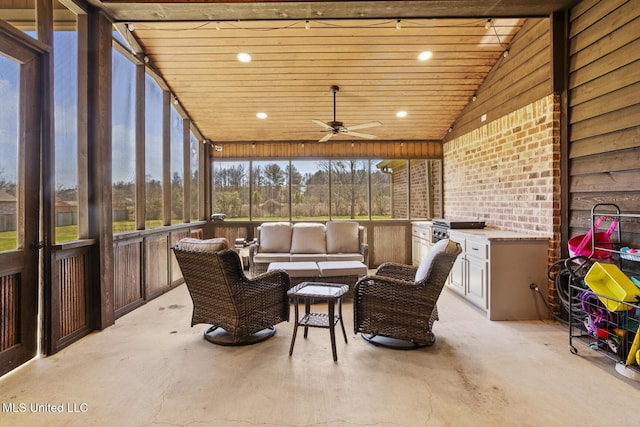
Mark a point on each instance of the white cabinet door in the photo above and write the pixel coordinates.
(416, 250)
(457, 275)
(476, 291)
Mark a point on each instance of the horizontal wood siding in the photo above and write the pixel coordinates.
(604, 111)
(521, 78)
(128, 275)
(9, 311)
(310, 150)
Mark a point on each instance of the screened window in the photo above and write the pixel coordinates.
(123, 143)
(270, 190)
(153, 153)
(194, 151)
(231, 189)
(425, 189)
(9, 81)
(65, 96)
(309, 190)
(349, 184)
(381, 196)
(353, 188)
(177, 167)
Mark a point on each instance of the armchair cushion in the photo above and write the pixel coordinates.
(443, 246)
(212, 245)
(275, 237)
(342, 237)
(308, 238)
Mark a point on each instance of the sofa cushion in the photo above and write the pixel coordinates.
(275, 237)
(342, 237)
(308, 257)
(266, 257)
(443, 246)
(308, 238)
(342, 268)
(345, 257)
(296, 269)
(213, 245)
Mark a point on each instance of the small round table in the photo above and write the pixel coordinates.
(308, 291)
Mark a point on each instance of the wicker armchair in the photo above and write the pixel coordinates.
(241, 310)
(396, 307)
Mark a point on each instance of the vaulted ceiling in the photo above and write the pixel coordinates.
(299, 50)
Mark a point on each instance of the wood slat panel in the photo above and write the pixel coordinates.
(392, 245)
(72, 286)
(156, 264)
(308, 150)
(9, 311)
(176, 274)
(128, 277)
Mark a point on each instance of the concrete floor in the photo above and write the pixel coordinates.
(152, 369)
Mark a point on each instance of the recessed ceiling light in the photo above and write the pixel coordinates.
(401, 114)
(426, 55)
(261, 115)
(244, 57)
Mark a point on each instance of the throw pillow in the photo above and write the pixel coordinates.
(342, 237)
(275, 237)
(308, 238)
(213, 245)
(442, 246)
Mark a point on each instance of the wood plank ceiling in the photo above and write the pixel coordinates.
(300, 50)
(374, 63)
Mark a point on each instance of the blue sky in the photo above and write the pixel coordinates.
(65, 99)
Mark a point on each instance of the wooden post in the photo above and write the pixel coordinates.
(140, 147)
(100, 162)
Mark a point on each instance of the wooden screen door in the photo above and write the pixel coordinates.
(20, 115)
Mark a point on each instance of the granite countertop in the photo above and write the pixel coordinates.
(497, 234)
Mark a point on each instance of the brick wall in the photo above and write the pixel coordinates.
(400, 192)
(506, 172)
(425, 189)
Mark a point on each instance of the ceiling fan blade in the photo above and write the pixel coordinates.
(326, 137)
(365, 125)
(360, 135)
(321, 123)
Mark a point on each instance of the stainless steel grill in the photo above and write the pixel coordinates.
(441, 227)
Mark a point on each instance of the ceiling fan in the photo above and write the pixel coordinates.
(335, 127)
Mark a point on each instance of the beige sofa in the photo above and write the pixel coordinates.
(307, 242)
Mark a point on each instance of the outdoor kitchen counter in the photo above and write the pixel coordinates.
(497, 269)
(497, 234)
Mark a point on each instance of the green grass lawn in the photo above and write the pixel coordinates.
(8, 240)
(70, 232)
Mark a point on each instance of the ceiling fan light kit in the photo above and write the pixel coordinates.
(335, 127)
